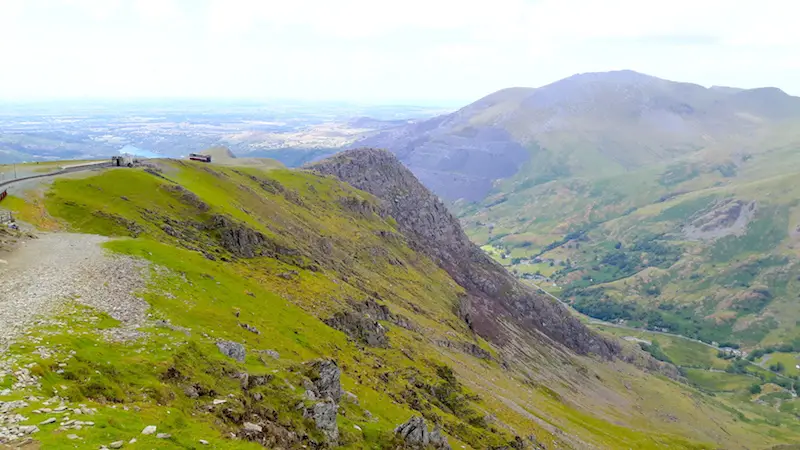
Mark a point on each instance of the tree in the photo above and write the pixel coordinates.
(755, 388)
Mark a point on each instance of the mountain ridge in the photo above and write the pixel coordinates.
(583, 125)
(493, 293)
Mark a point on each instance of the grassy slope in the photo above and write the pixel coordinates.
(341, 257)
(708, 278)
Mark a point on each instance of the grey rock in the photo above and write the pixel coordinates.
(238, 238)
(203, 441)
(116, 444)
(324, 416)
(272, 354)
(359, 327)
(415, 434)
(28, 429)
(191, 391)
(72, 437)
(258, 380)
(252, 427)
(232, 350)
(150, 429)
(48, 421)
(325, 376)
(163, 435)
(350, 397)
(250, 328)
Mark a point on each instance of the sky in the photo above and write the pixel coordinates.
(382, 51)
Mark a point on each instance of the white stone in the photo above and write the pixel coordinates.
(252, 427)
(150, 429)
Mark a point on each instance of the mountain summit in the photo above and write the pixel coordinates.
(583, 125)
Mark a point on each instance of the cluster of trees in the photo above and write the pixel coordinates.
(575, 235)
(740, 366)
(679, 319)
(777, 367)
(794, 346)
(655, 350)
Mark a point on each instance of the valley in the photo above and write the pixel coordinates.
(664, 204)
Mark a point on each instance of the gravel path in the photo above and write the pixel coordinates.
(41, 273)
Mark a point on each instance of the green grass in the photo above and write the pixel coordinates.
(682, 352)
(789, 360)
(719, 381)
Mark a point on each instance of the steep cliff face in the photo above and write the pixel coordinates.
(497, 306)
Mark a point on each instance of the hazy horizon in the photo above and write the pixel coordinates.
(413, 53)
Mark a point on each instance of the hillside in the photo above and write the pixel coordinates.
(587, 125)
(704, 245)
(283, 308)
(668, 205)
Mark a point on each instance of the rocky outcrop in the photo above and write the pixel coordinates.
(237, 238)
(325, 379)
(232, 350)
(360, 327)
(414, 434)
(324, 416)
(497, 305)
(362, 323)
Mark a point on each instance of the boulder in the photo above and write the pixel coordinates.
(324, 416)
(325, 377)
(233, 350)
(415, 434)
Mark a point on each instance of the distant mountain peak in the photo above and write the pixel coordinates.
(219, 152)
(621, 76)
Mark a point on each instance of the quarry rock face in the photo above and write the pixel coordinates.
(495, 301)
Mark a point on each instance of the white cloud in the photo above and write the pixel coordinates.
(96, 9)
(156, 10)
(373, 49)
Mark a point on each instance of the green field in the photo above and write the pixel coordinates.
(660, 254)
(790, 361)
(718, 381)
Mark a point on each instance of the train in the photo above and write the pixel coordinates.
(199, 157)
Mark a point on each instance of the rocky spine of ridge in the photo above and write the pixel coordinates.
(497, 305)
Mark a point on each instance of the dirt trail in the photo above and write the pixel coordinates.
(42, 273)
